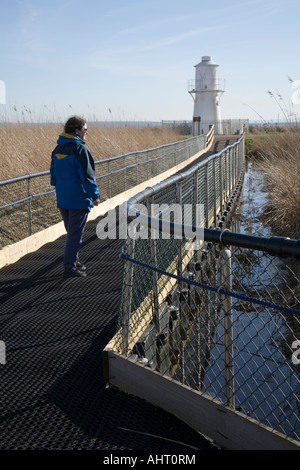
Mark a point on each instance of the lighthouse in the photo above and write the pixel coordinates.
(206, 90)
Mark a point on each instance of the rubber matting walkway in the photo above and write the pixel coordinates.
(53, 396)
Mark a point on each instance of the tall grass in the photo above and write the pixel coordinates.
(278, 157)
(26, 146)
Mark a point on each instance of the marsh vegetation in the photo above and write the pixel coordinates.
(26, 145)
(276, 153)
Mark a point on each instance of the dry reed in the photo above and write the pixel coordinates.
(279, 160)
(26, 147)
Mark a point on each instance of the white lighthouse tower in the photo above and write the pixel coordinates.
(206, 91)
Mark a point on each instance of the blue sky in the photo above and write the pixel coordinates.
(131, 60)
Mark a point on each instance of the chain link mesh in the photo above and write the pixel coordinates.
(188, 339)
(30, 199)
(223, 320)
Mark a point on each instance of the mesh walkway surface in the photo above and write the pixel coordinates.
(53, 395)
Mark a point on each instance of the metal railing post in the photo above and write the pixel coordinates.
(128, 284)
(214, 190)
(153, 247)
(230, 170)
(196, 197)
(125, 178)
(29, 206)
(109, 180)
(221, 184)
(206, 196)
(179, 241)
(226, 277)
(226, 175)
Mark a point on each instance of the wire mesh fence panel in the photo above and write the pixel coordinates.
(31, 202)
(192, 338)
(45, 213)
(10, 232)
(220, 317)
(102, 167)
(217, 190)
(114, 176)
(266, 380)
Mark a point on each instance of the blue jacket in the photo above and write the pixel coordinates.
(73, 173)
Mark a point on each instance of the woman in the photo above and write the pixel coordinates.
(73, 175)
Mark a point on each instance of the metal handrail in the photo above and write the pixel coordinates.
(120, 164)
(192, 312)
(103, 160)
(150, 191)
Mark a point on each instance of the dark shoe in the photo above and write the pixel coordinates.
(80, 266)
(74, 272)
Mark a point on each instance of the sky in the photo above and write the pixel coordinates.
(131, 60)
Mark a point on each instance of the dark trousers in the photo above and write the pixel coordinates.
(75, 222)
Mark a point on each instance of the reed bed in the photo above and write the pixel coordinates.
(278, 157)
(26, 147)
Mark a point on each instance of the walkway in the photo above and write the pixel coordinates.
(53, 395)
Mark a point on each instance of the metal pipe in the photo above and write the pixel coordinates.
(226, 279)
(280, 246)
(179, 241)
(153, 247)
(130, 243)
(29, 207)
(180, 176)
